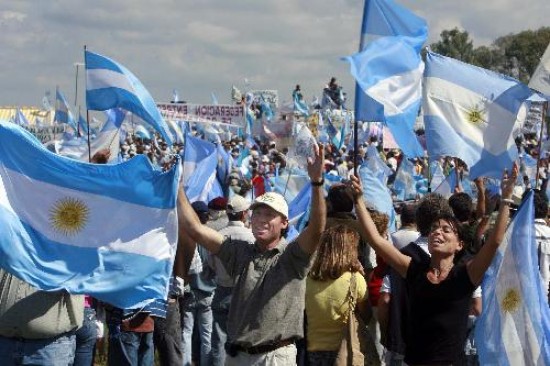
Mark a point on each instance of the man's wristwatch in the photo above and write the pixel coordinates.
(319, 183)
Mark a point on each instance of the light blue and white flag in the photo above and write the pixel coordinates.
(300, 106)
(404, 184)
(175, 96)
(514, 326)
(115, 118)
(447, 187)
(88, 229)
(437, 176)
(82, 124)
(214, 98)
(175, 129)
(377, 195)
(142, 133)
(298, 208)
(20, 118)
(107, 138)
(386, 18)
(225, 163)
(467, 185)
(249, 120)
(388, 70)
(379, 168)
(540, 80)
(528, 167)
(46, 102)
(471, 113)
(289, 185)
(111, 85)
(267, 111)
(200, 161)
(63, 112)
(330, 129)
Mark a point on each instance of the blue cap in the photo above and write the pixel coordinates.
(200, 207)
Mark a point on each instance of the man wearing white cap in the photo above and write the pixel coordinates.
(267, 305)
(237, 229)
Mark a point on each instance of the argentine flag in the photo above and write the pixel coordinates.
(471, 113)
(111, 85)
(388, 70)
(514, 326)
(109, 231)
(63, 113)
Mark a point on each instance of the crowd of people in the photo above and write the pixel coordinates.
(241, 294)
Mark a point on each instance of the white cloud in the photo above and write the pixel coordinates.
(204, 46)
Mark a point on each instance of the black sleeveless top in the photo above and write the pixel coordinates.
(439, 314)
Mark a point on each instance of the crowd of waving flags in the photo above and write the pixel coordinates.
(95, 254)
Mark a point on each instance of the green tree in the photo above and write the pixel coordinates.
(456, 44)
(491, 58)
(523, 51)
(516, 55)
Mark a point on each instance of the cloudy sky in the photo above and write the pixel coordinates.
(200, 47)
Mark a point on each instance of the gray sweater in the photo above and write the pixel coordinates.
(27, 312)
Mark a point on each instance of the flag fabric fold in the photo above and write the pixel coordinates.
(388, 70)
(300, 105)
(540, 80)
(20, 118)
(200, 161)
(63, 112)
(298, 208)
(85, 228)
(377, 195)
(111, 85)
(514, 326)
(471, 113)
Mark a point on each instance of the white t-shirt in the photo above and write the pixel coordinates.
(404, 237)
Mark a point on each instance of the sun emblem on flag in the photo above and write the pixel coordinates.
(476, 115)
(69, 216)
(511, 300)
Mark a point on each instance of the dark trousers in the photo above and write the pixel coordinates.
(167, 337)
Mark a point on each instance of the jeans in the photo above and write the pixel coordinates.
(167, 337)
(56, 351)
(197, 307)
(220, 312)
(86, 337)
(130, 348)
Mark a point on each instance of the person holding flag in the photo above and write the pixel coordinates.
(440, 290)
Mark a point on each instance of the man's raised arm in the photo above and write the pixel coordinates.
(309, 238)
(190, 225)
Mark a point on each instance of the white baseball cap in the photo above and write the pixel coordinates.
(237, 204)
(273, 200)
